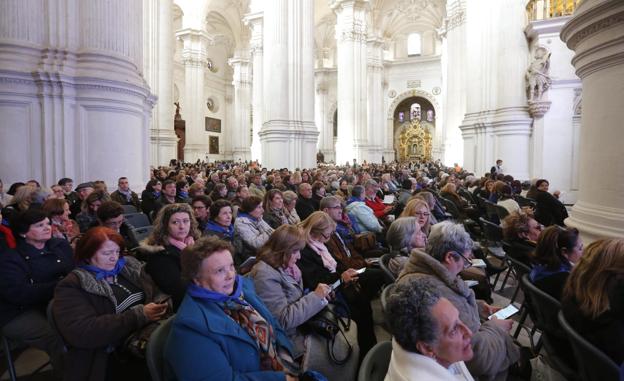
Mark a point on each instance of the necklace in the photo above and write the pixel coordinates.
(115, 283)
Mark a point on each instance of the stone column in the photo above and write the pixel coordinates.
(288, 133)
(375, 95)
(194, 56)
(73, 100)
(323, 121)
(242, 117)
(254, 20)
(351, 35)
(158, 67)
(596, 34)
(497, 124)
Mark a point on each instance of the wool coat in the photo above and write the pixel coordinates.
(249, 235)
(163, 265)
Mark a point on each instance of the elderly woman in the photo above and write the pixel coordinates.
(222, 330)
(174, 229)
(447, 254)
(278, 282)
(430, 341)
(290, 201)
(88, 217)
(99, 304)
(273, 205)
(521, 232)
(557, 251)
(319, 266)
(594, 294)
(28, 275)
(220, 222)
(58, 212)
(250, 230)
(404, 235)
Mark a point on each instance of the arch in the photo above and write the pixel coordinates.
(408, 94)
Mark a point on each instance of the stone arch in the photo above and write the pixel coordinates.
(412, 93)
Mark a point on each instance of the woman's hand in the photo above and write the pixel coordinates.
(504, 324)
(350, 275)
(322, 290)
(154, 311)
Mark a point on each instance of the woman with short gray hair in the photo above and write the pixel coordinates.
(447, 254)
(430, 342)
(404, 235)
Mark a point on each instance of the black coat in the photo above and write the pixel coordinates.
(163, 265)
(549, 210)
(28, 276)
(305, 207)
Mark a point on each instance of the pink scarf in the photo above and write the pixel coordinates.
(319, 248)
(181, 244)
(294, 272)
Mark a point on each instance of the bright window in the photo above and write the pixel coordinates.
(414, 44)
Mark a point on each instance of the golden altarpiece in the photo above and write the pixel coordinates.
(413, 141)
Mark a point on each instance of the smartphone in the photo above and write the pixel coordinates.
(335, 285)
(163, 301)
(505, 312)
(361, 270)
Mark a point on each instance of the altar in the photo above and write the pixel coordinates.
(412, 141)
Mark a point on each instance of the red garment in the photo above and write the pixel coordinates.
(377, 205)
(8, 236)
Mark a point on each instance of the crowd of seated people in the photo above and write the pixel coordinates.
(298, 232)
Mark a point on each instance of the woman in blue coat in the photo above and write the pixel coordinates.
(222, 331)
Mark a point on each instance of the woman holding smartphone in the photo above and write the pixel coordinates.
(100, 304)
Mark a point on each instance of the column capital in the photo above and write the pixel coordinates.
(242, 75)
(196, 43)
(255, 22)
(338, 5)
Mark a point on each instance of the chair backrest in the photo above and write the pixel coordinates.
(141, 233)
(593, 364)
(491, 211)
(384, 295)
(502, 212)
(450, 207)
(519, 268)
(155, 351)
(129, 209)
(375, 364)
(492, 231)
(524, 201)
(138, 220)
(384, 261)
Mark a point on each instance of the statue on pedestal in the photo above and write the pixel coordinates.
(538, 80)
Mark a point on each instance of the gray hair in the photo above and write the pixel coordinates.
(289, 196)
(408, 313)
(357, 191)
(328, 202)
(448, 236)
(400, 233)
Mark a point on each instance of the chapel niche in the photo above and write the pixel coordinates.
(414, 126)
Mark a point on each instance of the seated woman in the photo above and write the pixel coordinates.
(250, 230)
(549, 210)
(290, 202)
(219, 192)
(404, 235)
(174, 229)
(593, 297)
(220, 222)
(521, 232)
(419, 208)
(317, 265)
(99, 304)
(58, 212)
(150, 196)
(557, 251)
(437, 212)
(506, 200)
(430, 341)
(447, 253)
(278, 283)
(222, 330)
(88, 216)
(20, 202)
(449, 191)
(28, 275)
(273, 205)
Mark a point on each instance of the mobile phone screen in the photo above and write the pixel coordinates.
(505, 312)
(361, 270)
(335, 285)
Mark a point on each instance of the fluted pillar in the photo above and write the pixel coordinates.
(375, 95)
(596, 34)
(158, 68)
(242, 88)
(497, 124)
(254, 20)
(351, 36)
(194, 56)
(321, 108)
(288, 134)
(73, 101)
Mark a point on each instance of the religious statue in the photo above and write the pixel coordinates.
(415, 111)
(538, 80)
(177, 116)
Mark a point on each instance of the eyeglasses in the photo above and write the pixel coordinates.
(467, 262)
(421, 214)
(335, 207)
(326, 236)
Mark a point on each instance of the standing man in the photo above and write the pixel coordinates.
(124, 195)
(498, 168)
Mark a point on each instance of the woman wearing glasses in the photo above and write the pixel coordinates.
(448, 252)
(419, 208)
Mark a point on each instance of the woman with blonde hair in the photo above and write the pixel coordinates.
(175, 228)
(290, 201)
(317, 265)
(593, 297)
(21, 201)
(417, 207)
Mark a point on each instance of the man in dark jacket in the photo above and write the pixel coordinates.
(305, 204)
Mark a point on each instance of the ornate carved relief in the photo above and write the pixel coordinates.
(578, 101)
(596, 27)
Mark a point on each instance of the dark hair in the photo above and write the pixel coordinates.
(357, 191)
(216, 207)
(64, 181)
(316, 186)
(21, 222)
(250, 203)
(203, 199)
(108, 210)
(515, 224)
(13, 188)
(93, 239)
(269, 196)
(192, 256)
(150, 185)
(540, 182)
(54, 206)
(550, 243)
(180, 184)
(167, 182)
(121, 178)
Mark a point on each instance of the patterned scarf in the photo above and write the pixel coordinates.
(319, 248)
(127, 194)
(248, 318)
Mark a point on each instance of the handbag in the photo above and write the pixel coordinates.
(365, 242)
(330, 323)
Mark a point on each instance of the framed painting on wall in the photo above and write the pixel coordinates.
(212, 124)
(213, 145)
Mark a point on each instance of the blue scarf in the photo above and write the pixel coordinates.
(101, 274)
(247, 215)
(183, 195)
(156, 194)
(540, 271)
(217, 297)
(215, 227)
